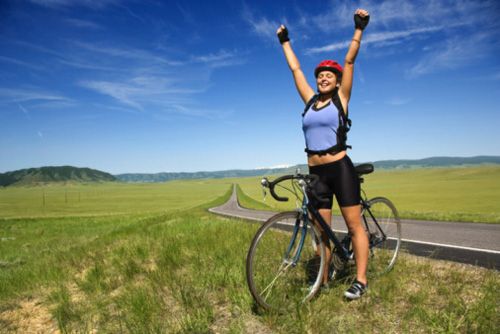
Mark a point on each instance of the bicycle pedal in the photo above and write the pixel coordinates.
(374, 237)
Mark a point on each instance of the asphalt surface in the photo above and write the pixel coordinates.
(471, 243)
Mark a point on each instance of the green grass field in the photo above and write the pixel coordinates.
(149, 258)
(455, 194)
(107, 199)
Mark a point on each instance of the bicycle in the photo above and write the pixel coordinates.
(285, 262)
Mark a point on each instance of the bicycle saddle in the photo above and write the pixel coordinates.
(364, 169)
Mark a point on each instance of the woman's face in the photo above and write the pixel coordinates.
(326, 81)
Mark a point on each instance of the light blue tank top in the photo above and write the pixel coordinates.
(320, 127)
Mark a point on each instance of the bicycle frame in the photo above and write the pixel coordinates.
(366, 207)
(308, 208)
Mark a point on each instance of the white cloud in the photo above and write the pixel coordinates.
(419, 14)
(23, 109)
(146, 93)
(452, 53)
(394, 23)
(124, 53)
(153, 95)
(211, 58)
(378, 38)
(261, 25)
(20, 95)
(20, 63)
(84, 24)
(145, 81)
(124, 93)
(398, 101)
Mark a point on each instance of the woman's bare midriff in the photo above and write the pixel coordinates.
(316, 160)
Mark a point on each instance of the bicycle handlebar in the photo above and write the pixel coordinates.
(310, 181)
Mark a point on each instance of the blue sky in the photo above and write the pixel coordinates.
(182, 86)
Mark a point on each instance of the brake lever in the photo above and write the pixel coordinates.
(265, 183)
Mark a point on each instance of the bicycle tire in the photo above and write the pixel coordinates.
(274, 284)
(383, 251)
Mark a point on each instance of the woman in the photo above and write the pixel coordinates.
(326, 147)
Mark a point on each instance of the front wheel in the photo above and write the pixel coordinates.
(382, 224)
(275, 281)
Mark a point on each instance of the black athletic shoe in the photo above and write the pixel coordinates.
(356, 290)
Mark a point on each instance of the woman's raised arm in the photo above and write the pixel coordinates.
(361, 19)
(305, 91)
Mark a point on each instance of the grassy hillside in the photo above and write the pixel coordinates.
(36, 176)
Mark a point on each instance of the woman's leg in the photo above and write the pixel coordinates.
(352, 217)
(327, 216)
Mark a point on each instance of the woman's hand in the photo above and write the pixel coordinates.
(361, 19)
(283, 34)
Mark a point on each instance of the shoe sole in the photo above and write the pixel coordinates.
(351, 296)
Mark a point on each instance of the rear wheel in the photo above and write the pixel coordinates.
(276, 283)
(383, 227)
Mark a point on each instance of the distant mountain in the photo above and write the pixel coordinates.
(34, 176)
(163, 177)
(384, 165)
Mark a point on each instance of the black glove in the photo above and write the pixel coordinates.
(283, 36)
(361, 22)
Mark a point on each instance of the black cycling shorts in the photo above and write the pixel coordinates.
(337, 178)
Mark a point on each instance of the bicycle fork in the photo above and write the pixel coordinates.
(296, 230)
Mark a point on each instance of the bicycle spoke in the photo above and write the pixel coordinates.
(280, 272)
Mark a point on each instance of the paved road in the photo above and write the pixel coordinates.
(472, 243)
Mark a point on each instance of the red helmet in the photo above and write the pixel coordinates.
(328, 65)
